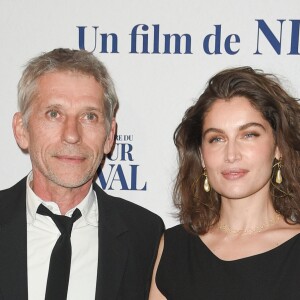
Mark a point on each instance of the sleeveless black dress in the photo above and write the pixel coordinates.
(188, 270)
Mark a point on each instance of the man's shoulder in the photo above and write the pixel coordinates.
(125, 208)
(11, 200)
(19, 187)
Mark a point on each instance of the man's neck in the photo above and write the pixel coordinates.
(65, 198)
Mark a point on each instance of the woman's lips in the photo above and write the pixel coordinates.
(233, 174)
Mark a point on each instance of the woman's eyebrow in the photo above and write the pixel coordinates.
(242, 127)
(245, 126)
(216, 130)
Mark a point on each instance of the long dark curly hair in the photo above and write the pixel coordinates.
(199, 210)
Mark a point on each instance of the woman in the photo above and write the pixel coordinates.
(237, 191)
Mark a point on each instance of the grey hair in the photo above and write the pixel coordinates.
(62, 59)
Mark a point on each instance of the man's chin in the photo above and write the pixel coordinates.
(71, 182)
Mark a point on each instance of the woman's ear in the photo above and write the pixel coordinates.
(202, 160)
(20, 131)
(278, 154)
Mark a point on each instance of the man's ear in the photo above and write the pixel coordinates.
(110, 139)
(20, 131)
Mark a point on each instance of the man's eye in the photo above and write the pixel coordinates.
(53, 114)
(91, 116)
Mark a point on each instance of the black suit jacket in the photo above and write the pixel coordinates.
(128, 239)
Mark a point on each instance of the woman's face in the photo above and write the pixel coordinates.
(238, 149)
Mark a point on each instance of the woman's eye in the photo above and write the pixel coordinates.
(250, 135)
(215, 140)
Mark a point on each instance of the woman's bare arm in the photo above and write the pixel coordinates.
(155, 294)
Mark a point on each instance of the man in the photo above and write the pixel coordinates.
(66, 123)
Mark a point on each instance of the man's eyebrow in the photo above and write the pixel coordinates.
(87, 108)
(53, 106)
(93, 108)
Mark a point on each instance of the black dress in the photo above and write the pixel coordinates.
(188, 270)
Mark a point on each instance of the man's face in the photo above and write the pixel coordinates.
(66, 135)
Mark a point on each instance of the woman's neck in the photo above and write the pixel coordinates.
(249, 214)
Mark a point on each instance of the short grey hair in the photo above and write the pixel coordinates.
(63, 59)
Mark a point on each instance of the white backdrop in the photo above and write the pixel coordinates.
(155, 84)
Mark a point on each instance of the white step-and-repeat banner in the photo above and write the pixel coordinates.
(160, 55)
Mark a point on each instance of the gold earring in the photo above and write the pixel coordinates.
(278, 173)
(206, 185)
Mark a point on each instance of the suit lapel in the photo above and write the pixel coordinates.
(113, 248)
(13, 242)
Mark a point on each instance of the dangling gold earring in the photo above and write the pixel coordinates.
(206, 185)
(278, 174)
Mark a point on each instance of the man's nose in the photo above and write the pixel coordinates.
(71, 131)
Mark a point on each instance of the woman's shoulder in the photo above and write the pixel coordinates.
(287, 232)
(177, 233)
(177, 229)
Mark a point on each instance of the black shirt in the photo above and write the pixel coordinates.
(188, 270)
